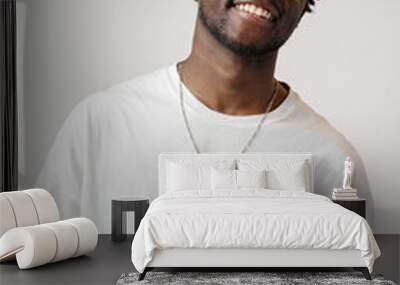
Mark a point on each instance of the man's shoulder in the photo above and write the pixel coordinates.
(304, 114)
(148, 87)
(152, 81)
(129, 96)
(320, 130)
(145, 85)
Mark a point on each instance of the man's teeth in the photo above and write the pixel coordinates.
(253, 9)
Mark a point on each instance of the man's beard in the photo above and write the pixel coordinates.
(242, 50)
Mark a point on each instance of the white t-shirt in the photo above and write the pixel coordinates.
(109, 145)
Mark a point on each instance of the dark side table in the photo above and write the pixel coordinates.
(357, 206)
(119, 207)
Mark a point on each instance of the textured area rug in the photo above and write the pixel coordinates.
(244, 278)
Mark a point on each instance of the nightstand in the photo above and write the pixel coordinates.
(358, 206)
(119, 207)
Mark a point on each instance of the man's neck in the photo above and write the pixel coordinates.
(225, 82)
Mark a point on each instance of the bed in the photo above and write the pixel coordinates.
(242, 211)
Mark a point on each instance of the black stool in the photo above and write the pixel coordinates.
(119, 207)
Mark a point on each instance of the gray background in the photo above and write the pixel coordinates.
(343, 60)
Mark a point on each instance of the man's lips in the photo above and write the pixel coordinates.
(258, 8)
(250, 10)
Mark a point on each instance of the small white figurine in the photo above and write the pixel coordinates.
(348, 173)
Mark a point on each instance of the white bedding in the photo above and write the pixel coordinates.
(251, 218)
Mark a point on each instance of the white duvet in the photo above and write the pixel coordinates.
(251, 218)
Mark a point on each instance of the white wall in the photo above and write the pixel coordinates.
(342, 59)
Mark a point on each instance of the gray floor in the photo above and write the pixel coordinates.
(389, 262)
(110, 260)
(103, 266)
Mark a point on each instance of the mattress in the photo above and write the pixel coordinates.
(250, 219)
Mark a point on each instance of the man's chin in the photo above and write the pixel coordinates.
(247, 47)
(250, 43)
(247, 51)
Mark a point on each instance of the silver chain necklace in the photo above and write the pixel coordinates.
(254, 134)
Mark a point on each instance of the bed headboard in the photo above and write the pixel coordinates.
(164, 158)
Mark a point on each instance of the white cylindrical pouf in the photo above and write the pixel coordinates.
(45, 205)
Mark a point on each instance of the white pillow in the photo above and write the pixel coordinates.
(251, 178)
(223, 179)
(281, 174)
(189, 174)
(293, 179)
(237, 179)
(184, 177)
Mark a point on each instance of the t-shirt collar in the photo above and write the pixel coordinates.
(194, 104)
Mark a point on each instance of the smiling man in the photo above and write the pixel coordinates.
(222, 98)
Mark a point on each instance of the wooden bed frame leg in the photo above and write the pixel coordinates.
(142, 275)
(365, 272)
